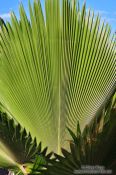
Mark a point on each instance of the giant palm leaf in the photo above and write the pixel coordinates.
(56, 68)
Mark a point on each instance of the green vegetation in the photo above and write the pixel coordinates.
(57, 69)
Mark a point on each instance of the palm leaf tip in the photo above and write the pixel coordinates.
(1, 22)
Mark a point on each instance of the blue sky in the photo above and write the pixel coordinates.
(106, 8)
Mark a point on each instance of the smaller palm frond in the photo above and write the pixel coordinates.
(92, 147)
(17, 148)
(16, 139)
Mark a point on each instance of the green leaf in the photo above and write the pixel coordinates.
(56, 68)
(17, 148)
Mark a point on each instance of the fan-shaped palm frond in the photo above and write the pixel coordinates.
(95, 146)
(56, 68)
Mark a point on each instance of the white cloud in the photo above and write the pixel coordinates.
(5, 16)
